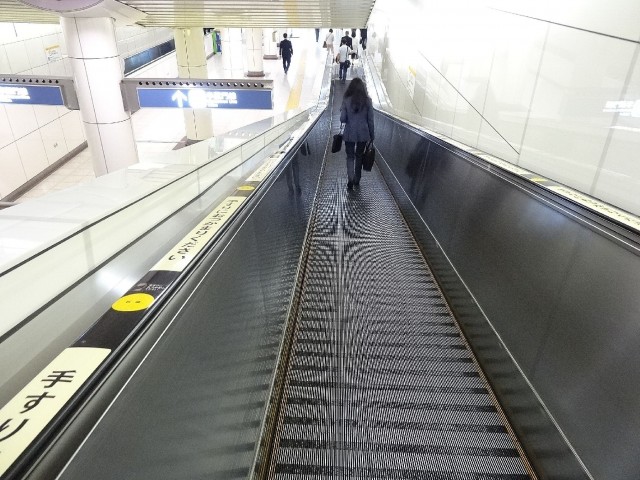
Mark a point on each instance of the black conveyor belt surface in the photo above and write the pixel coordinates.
(381, 382)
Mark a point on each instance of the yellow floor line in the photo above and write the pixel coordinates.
(294, 94)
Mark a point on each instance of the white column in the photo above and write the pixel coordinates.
(232, 64)
(97, 72)
(253, 42)
(192, 63)
(271, 43)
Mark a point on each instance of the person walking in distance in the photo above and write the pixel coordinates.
(286, 52)
(347, 40)
(356, 112)
(342, 57)
(329, 42)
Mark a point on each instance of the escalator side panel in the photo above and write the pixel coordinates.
(548, 301)
(195, 406)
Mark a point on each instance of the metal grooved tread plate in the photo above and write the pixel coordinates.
(381, 382)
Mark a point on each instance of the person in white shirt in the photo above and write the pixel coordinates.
(343, 57)
(329, 41)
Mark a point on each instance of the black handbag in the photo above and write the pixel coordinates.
(304, 149)
(337, 143)
(336, 146)
(368, 157)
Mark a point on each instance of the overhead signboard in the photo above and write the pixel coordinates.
(45, 90)
(31, 94)
(203, 98)
(188, 93)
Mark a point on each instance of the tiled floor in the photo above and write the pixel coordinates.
(160, 130)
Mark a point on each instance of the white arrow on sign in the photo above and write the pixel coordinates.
(179, 97)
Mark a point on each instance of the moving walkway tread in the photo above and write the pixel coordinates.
(381, 382)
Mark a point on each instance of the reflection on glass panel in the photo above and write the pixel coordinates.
(553, 98)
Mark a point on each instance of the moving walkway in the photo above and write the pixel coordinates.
(315, 338)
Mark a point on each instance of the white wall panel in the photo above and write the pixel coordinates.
(17, 56)
(567, 128)
(53, 140)
(58, 69)
(619, 178)
(7, 33)
(5, 67)
(472, 88)
(466, 124)
(71, 124)
(619, 18)
(35, 52)
(39, 70)
(45, 114)
(127, 45)
(491, 140)
(13, 175)
(31, 30)
(6, 135)
(60, 41)
(446, 108)
(540, 73)
(22, 118)
(32, 154)
(432, 88)
(517, 50)
(52, 40)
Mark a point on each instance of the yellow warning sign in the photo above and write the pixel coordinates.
(185, 251)
(133, 302)
(29, 412)
(266, 168)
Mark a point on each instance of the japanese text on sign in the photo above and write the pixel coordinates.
(31, 410)
(10, 94)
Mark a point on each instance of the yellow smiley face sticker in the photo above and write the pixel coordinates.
(133, 302)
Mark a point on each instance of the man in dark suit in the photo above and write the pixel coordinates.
(286, 52)
(348, 41)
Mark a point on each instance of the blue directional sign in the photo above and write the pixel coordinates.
(31, 94)
(205, 98)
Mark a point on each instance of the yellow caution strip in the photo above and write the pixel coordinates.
(266, 168)
(294, 94)
(185, 251)
(29, 412)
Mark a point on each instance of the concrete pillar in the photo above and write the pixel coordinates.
(97, 72)
(192, 63)
(271, 40)
(253, 42)
(232, 63)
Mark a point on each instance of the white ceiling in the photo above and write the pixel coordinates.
(223, 13)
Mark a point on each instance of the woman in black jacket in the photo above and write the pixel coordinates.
(356, 113)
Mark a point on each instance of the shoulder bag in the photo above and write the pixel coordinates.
(337, 141)
(368, 157)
